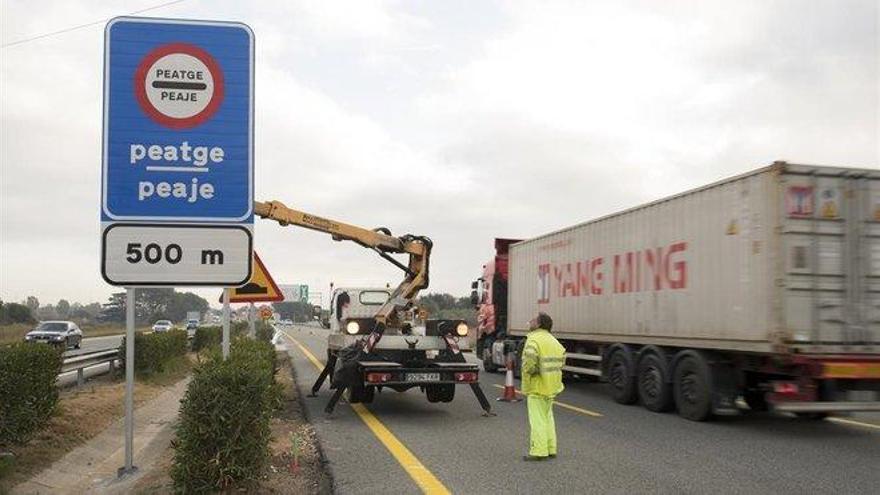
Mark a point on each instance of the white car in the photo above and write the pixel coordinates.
(162, 326)
(60, 333)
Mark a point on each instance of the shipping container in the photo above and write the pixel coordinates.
(768, 276)
(786, 256)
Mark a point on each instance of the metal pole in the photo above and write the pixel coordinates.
(251, 329)
(129, 383)
(225, 323)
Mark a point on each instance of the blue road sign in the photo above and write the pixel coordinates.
(178, 121)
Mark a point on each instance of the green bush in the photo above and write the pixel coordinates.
(28, 395)
(153, 351)
(207, 337)
(223, 432)
(264, 331)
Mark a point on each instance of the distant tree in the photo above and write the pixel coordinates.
(32, 303)
(63, 309)
(436, 302)
(113, 311)
(47, 312)
(447, 306)
(152, 304)
(182, 302)
(15, 313)
(93, 309)
(297, 311)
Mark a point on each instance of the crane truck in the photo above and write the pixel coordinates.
(763, 288)
(386, 348)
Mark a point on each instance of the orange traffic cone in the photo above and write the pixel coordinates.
(509, 390)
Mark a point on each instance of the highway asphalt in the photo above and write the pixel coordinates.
(604, 447)
(94, 344)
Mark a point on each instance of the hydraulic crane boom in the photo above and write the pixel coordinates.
(379, 240)
(408, 364)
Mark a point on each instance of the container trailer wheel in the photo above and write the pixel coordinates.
(654, 385)
(622, 375)
(693, 386)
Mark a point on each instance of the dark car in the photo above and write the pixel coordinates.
(59, 333)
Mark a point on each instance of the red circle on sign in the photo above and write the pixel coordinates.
(177, 123)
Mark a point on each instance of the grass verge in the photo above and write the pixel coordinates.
(82, 414)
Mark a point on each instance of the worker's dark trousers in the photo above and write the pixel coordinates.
(542, 441)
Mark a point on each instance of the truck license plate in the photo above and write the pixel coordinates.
(423, 377)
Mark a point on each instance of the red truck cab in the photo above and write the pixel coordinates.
(489, 296)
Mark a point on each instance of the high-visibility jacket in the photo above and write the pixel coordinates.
(543, 357)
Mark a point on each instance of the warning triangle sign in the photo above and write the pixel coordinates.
(260, 288)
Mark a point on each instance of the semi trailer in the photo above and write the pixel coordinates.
(763, 288)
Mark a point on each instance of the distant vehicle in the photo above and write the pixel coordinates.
(162, 326)
(286, 322)
(59, 333)
(193, 315)
(191, 327)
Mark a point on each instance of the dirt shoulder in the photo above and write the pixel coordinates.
(83, 413)
(297, 465)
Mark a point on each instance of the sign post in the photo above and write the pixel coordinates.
(129, 383)
(177, 163)
(225, 324)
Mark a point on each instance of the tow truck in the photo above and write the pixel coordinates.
(390, 348)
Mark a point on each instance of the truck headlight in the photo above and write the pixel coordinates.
(461, 329)
(352, 327)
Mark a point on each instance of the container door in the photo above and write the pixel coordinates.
(831, 246)
(870, 258)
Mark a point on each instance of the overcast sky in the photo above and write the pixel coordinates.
(461, 120)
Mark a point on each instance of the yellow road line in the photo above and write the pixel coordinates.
(564, 405)
(855, 423)
(409, 462)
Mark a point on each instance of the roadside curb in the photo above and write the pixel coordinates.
(301, 400)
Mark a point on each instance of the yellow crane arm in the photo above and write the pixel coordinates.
(379, 240)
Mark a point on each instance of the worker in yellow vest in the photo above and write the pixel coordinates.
(542, 360)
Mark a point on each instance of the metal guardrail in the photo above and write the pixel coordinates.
(83, 361)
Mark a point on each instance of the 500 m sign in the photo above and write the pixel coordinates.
(139, 254)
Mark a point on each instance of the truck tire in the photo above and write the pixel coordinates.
(654, 385)
(622, 376)
(488, 365)
(440, 393)
(693, 387)
(360, 394)
(517, 359)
